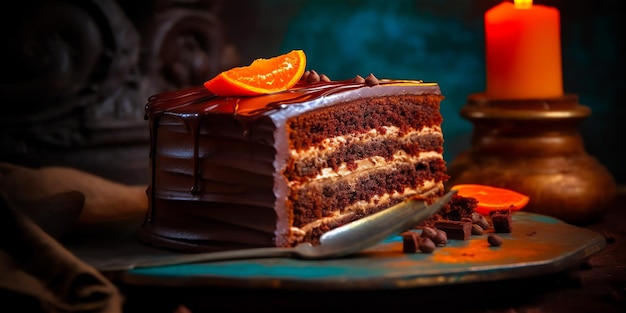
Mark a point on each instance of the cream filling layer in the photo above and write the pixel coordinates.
(371, 162)
(373, 134)
(376, 162)
(426, 189)
(364, 165)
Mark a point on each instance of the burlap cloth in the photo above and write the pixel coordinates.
(37, 274)
(38, 207)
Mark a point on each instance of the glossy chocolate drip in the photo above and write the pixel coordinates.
(193, 102)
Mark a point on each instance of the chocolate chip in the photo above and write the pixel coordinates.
(324, 78)
(371, 80)
(305, 75)
(358, 79)
(494, 240)
(429, 232)
(477, 230)
(479, 220)
(426, 245)
(313, 77)
(441, 239)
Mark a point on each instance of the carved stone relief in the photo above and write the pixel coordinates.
(76, 76)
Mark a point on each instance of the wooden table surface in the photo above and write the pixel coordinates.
(597, 284)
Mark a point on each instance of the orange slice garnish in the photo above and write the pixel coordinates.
(262, 76)
(492, 198)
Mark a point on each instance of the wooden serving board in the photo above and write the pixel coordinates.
(537, 245)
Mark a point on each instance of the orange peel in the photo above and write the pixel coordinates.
(262, 76)
(492, 198)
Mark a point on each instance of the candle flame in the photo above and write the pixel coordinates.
(523, 4)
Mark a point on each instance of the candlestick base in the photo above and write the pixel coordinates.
(533, 146)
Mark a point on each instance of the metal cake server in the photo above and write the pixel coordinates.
(342, 241)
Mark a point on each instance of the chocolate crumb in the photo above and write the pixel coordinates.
(502, 211)
(410, 242)
(501, 220)
(458, 208)
(494, 240)
(457, 230)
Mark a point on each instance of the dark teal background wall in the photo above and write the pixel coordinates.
(426, 40)
(443, 41)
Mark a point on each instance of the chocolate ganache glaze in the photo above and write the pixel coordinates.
(217, 162)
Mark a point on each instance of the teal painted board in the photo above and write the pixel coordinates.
(537, 245)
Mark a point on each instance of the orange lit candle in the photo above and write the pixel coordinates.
(523, 51)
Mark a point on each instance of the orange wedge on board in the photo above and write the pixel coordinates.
(262, 76)
(492, 198)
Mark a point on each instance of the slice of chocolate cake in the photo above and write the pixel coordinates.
(283, 168)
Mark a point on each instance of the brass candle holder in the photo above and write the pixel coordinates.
(533, 146)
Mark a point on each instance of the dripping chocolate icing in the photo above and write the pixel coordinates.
(197, 101)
